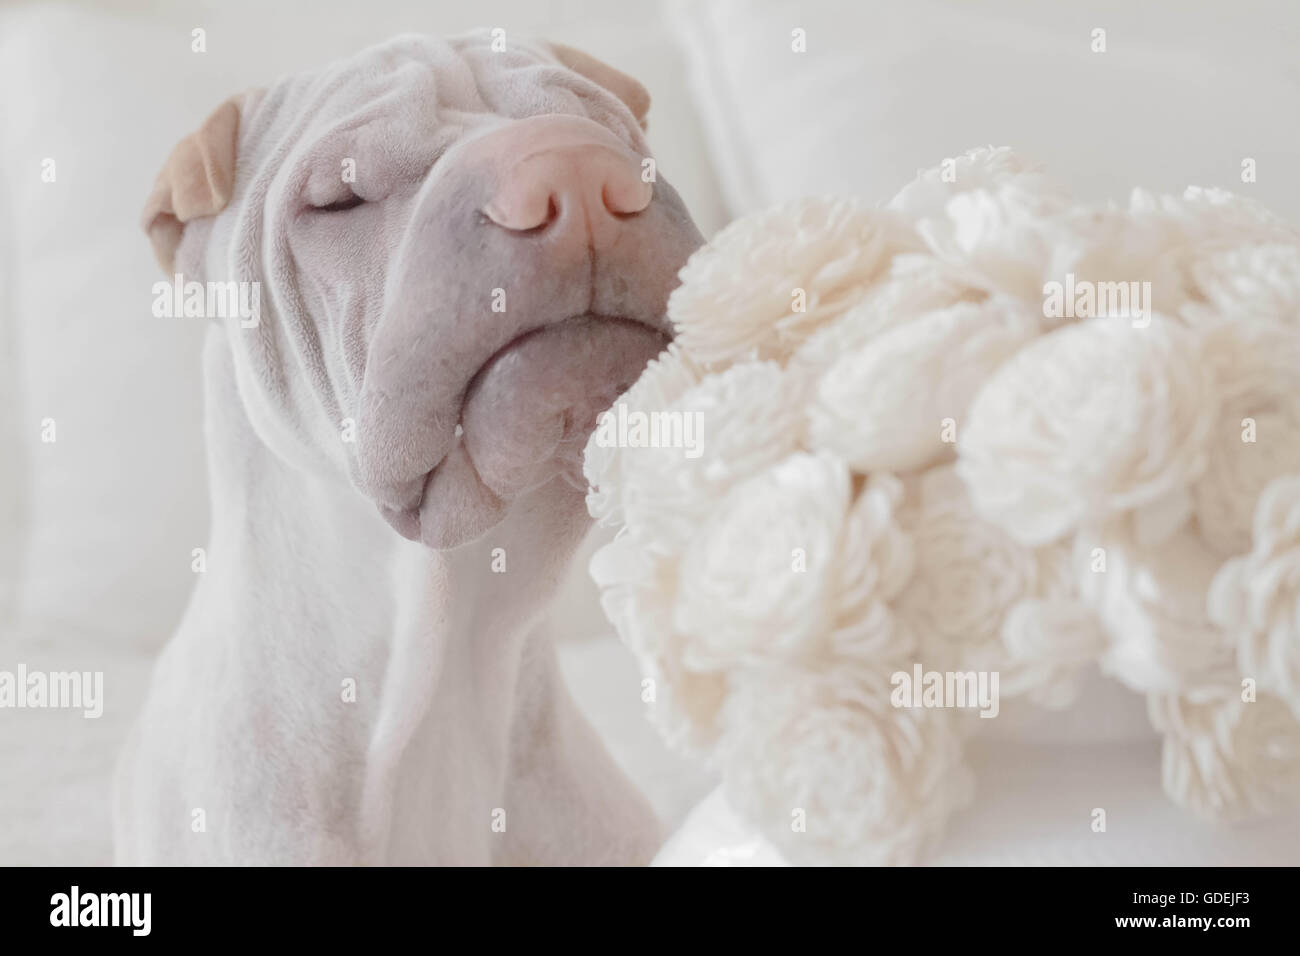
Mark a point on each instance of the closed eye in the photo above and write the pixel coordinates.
(351, 202)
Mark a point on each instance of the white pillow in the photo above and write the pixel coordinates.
(1181, 96)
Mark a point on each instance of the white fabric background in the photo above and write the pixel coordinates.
(1186, 89)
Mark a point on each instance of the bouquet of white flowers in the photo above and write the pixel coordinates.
(983, 430)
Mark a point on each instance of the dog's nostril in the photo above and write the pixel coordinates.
(522, 213)
(552, 213)
(625, 195)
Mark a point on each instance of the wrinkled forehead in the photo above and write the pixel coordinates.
(413, 96)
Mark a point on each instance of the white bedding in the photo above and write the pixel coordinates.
(56, 765)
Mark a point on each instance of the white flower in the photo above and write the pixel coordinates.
(1257, 597)
(739, 294)
(1259, 281)
(1111, 245)
(1009, 238)
(1256, 436)
(872, 783)
(1215, 216)
(1094, 420)
(1185, 238)
(969, 573)
(757, 579)
(746, 418)
(885, 405)
(636, 594)
(927, 196)
(664, 379)
(875, 562)
(1151, 602)
(915, 285)
(1050, 643)
(1225, 758)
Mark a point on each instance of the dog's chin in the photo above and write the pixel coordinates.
(525, 421)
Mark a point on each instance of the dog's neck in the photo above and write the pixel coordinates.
(432, 640)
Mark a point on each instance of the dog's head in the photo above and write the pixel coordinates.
(463, 254)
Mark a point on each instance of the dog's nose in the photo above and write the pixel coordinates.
(580, 188)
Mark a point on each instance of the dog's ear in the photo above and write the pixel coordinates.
(631, 92)
(197, 180)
